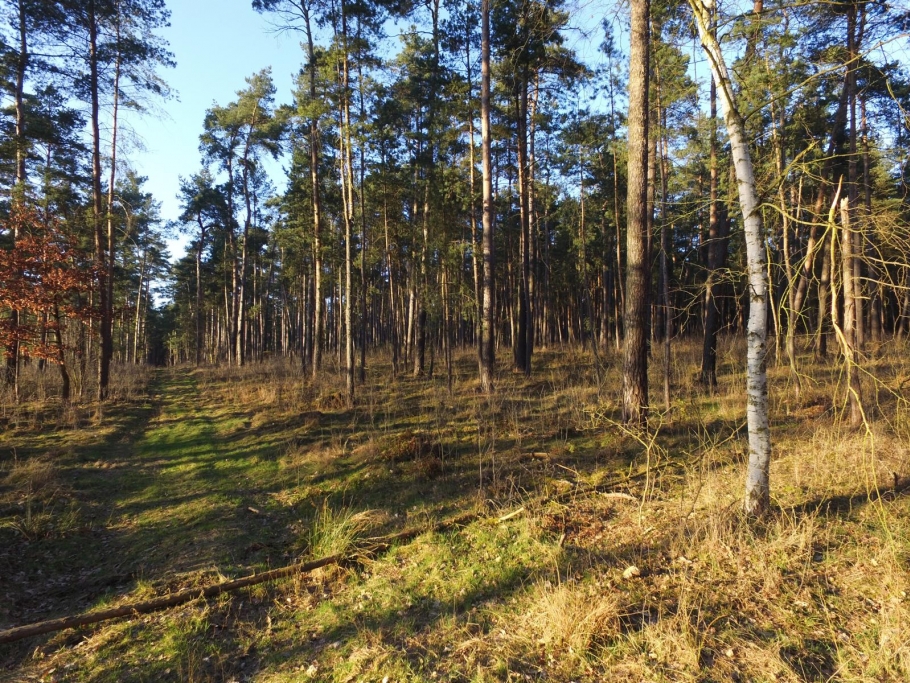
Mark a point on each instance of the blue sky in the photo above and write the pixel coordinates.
(216, 43)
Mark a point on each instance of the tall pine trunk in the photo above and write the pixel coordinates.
(711, 314)
(112, 179)
(524, 337)
(104, 302)
(317, 203)
(635, 316)
(12, 352)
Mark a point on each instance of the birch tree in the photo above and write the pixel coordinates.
(487, 333)
(757, 499)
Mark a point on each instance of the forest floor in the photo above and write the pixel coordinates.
(596, 553)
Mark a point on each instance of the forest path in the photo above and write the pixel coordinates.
(196, 486)
(167, 486)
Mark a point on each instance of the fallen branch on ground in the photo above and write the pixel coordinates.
(370, 547)
(165, 601)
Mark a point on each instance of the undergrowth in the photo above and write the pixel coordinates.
(596, 553)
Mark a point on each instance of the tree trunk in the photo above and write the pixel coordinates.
(112, 179)
(420, 341)
(619, 298)
(665, 227)
(393, 327)
(12, 352)
(138, 318)
(104, 303)
(347, 178)
(240, 348)
(487, 339)
(363, 237)
(317, 204)
(61, 357)
(824, 285)
(635, 316)
(856, 21)
(523, 339)
(849, 334)
(874, 283)
(530, 174)
(711, 314)
(804, 275)
(199, 301)
(757, 498)
(476, 236)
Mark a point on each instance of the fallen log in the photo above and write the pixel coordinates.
(370, 547)
(165, 601)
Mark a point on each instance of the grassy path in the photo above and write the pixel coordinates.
(165, 488)
(191, 487)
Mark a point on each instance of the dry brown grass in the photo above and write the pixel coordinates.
(567, 621)
(817, 591)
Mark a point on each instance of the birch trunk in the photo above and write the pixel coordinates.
(487, 347)
(757, 500)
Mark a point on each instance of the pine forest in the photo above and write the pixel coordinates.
(501, 340)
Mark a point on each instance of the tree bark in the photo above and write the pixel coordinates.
(849, 333)
(476, 236)
(665, 228)
(61, 357)
(347, 181)
(757, 498)
(317, 203)
(393, 310)
(711, 313)
(199, 300)
(487, 341)
(824, 286)
(104, 302)
(635, 316)
(12, 352)
(524, 338)
(872, 268)
(112, 179)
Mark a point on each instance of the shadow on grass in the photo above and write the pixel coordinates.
(845, 505)
(65, 572)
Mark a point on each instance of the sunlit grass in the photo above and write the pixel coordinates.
(232, 471)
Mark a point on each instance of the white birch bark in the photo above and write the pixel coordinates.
(487, 333)
(757, 498)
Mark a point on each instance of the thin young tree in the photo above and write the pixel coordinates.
(758, 498)
(487, 341)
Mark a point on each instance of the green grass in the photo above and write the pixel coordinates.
(212, 474)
